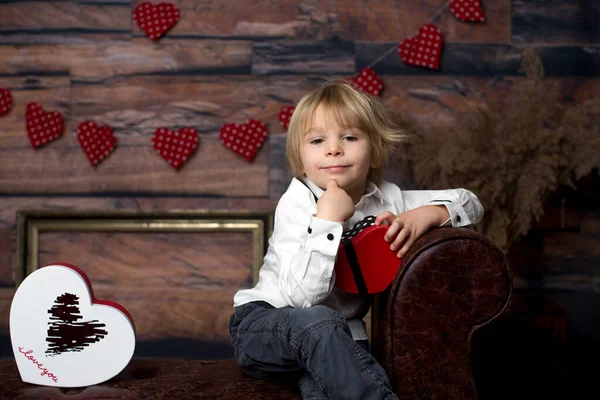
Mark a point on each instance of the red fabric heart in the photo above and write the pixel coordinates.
(96, 142)
(367, 81)
(244, 139)
(467, 10)
(175, 146)
(5, 101)
(42, 126)
(156, 20)
(285, 115)
(424, 49)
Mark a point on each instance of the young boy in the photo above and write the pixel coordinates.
(294, 322)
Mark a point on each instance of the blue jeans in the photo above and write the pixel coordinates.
(313, 345)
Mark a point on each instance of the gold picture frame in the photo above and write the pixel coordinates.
(30, 224)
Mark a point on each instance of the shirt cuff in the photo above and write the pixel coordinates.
(458, 216)
(324, 236)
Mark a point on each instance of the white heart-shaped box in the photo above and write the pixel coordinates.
(62, 336)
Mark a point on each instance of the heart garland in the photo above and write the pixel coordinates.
(156, 20)
(175, 146)
(424, 49)
(97, 142)
(244, 139)
(42, 126)
(5, 101)
(467, 10)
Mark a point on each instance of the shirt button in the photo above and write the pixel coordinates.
(458, 218)
(309, 229)
(329, 236)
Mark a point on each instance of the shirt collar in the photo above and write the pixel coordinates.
(371, 190)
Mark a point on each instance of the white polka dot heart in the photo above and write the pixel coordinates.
(424, 49)
(97, 142)
(244, 139)
(42, 127)
(63, 336)
(156, 19)
(5, 101)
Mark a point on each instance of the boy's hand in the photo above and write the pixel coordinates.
(410, 225)
(335, 204)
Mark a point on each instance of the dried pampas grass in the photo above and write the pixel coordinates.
(513, 157)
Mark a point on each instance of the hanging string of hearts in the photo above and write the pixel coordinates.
(423, 48)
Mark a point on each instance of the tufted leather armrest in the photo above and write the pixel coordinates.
(454, 281)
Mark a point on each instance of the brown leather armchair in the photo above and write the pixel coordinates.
(454, 282)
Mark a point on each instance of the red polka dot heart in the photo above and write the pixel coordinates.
(97, 142)
(285, 114)
(5, 101)
(244, 139)
(175, 146)
(467, 10)
(42, 127)
(367, 81)
(156, 19)
(424, 49)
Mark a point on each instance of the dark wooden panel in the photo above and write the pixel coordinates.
(6, 256)
(386, 20)
(139, 106)
(485, 60)
(303, 57)
(570, 261)
(273, 19)
(279, 174)
(555, 21)
(63, 21)
(134, 166)
(590, 223)
(495, 28)
(6, 296)
(97, 62)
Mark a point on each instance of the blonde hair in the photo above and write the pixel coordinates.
(351, 109)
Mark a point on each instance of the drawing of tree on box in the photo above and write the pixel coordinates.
(65, 334)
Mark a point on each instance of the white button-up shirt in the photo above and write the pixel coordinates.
(298, 269)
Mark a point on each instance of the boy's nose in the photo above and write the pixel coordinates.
(334, 150)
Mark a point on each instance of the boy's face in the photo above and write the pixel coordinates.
(329, 151)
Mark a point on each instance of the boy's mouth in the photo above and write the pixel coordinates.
(335, 168)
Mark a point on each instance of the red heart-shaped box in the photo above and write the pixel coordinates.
(156, 19)
(42, 126)
(62, 335)
(423, 50)
(244, 139)
(96, 142)
(365, 264)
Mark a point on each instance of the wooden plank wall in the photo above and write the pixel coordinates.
(227, 61)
